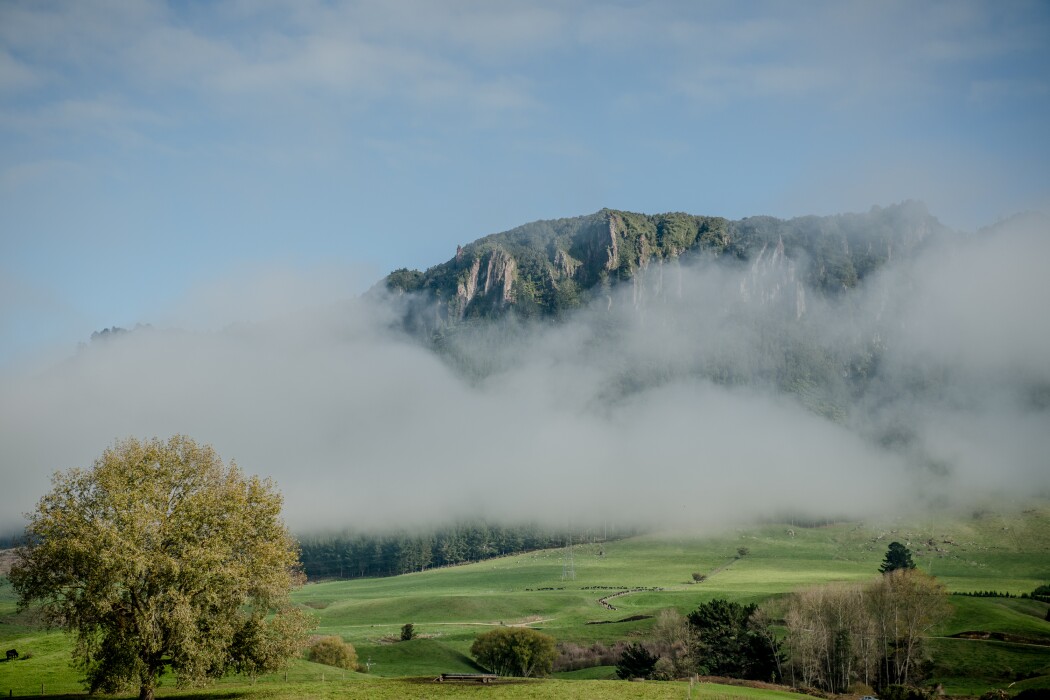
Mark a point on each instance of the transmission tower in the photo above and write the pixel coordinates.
(568, 565)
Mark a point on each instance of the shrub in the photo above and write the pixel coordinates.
(515, 651)
(333, 651)
(742, 551)
(572, 657)
(699, 577)
(996, 694)
(408, 632)
(636, 662)
(904, 692)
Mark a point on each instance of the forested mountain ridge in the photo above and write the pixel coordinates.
(547, 267)
(759, 302)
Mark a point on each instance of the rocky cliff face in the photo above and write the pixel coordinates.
(493, 286)
(772, 280)
(548, 267)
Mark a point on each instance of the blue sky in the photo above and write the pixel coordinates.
(199, 163)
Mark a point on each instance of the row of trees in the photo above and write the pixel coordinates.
(361, 554)
(836, 635)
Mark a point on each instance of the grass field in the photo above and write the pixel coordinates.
(449, 607)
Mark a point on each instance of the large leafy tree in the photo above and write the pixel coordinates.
(160, 558)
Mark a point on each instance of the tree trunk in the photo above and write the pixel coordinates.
(147, 686)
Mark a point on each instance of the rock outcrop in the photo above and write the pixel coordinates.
(548, 267)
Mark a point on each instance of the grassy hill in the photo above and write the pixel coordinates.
(988, 642)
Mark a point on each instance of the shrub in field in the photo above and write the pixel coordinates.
(699, 577)
(408, 632)
(996, 694)
(333, 651)
(636, 662)
(908, 692)
(515, 651)
(573, 657)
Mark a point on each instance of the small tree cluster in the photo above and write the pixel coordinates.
(672, 641)
(333, 651)
(730, 639)
(699, 577)
(1041, 593)
(515, 651)
(408, 632)
(874, 634)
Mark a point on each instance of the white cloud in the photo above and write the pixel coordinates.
(597, 417)
(261, 292)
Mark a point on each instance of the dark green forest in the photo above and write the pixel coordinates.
(346, 555)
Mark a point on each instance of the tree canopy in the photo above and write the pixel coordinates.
(636, 662)
(730, 640)
(897, 557)
(160, 558)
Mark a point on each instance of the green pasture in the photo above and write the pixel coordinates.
(450, 607)
(356, 687)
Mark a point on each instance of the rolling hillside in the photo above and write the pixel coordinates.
(988, 642)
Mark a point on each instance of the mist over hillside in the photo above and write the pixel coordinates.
(672, 370)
